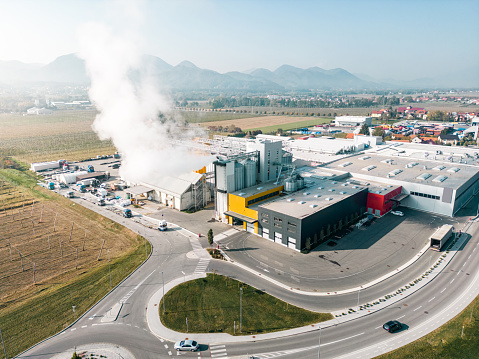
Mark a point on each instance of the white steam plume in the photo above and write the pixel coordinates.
(129, 109)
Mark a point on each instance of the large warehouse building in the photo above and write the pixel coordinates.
(298, 207)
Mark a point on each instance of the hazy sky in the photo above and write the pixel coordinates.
(382, 38)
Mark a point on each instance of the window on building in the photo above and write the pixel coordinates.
(278, 219)
(291, 224)
(425, 195)
(277, 225)
(265, 215)
(264, 220)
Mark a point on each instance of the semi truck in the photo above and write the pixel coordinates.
(127, 213)
(441, 236)
(162, 226)
(69, 194)
(90, 169)
(101, 201)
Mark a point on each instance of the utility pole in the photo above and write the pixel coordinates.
(241, 309)
(359, 291)
(109, 270)
(3, 343)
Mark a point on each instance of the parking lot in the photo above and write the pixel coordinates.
(359, 257)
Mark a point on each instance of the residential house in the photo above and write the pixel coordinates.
(448, 139)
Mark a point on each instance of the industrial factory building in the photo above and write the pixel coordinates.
(182, 193)
(298, 206)
(353, 121)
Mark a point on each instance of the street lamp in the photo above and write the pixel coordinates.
(163, 292)
(109, 270)
(74, 315)
(319, 343)
(359, 291)
(241, 309)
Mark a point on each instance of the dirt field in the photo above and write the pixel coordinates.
(39, 241)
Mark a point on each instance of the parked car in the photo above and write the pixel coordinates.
(190, 345)
(392, 326)
(397, 213)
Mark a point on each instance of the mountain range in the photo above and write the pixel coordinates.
(188, 77)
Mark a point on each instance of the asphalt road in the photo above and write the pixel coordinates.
(422, 311)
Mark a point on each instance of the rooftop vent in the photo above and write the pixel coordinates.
(342, 192)
(313, 205)
(305, 193)
(241, 194)
(320, 187)
(424, 176)
(369, 168)
(259, 188)
(345, 184)
(328, 199)
(411, 164)
(334, 182)
(395, 172)
(364, 158)
(332, 190)
(344, 164)
(439, 168)
(301, 202)
(355, 186)
(290, 199)
(453, 169)
(317, 195)
(389, 160)
(440, 178)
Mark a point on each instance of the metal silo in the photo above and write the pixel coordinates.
(249, 172)
(290, 185)
(239, 176)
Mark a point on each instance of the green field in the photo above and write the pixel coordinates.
(212, 305)
(292, 125)
(446, 342)
(210, 116)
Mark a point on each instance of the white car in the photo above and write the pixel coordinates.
(190, 345)
(397, 213)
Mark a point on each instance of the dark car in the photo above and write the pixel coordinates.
(392, 326)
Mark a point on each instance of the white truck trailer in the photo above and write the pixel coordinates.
(441, 236)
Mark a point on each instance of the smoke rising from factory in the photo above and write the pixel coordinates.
(133, 113)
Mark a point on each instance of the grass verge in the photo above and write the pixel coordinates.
(212, 305)
(446, 341)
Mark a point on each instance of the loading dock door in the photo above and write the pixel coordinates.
(278, 237)
(250, 227)
(291, 242)
(266, 233)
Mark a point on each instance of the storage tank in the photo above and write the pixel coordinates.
(290, 185)
(249, 172)
(299, 182)
(239, 176)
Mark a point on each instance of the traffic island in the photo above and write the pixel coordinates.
(218, 304)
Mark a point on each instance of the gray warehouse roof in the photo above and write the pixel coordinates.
(413, 170)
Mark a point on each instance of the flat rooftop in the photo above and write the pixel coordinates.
(317, 195)
(436, 173)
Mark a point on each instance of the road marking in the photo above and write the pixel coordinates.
(170, 353)
(340, 340)
(222, 355)
(443, 290)
(162, 340)
(401, 317)
(452, 280)
(72, 329)
(217, 351)
(94, 324)
(430, 300)
(417, 308)
(130, 293)
(84, 326)
(92, 317)
(464, 263)
(166, 346)
(469, 256)
(217, 346)
(378, 327)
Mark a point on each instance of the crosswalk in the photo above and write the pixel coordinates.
(218, 351)
(201, 266)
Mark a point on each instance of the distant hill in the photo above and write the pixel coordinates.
(186, 76)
